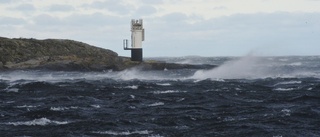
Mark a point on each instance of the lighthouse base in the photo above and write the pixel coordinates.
(136, 54)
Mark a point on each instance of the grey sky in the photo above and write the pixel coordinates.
(173, 27)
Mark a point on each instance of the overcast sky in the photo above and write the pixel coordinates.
(173, 27)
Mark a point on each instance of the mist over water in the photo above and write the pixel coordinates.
(253, 67)
(245, 67)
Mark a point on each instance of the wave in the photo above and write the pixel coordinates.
(296, 64)
(284, 89)
(132, 87)
(26, 106)
(288, 83)
(135, 73)
(163, 84)
(156, 104)
(38, 122)
(168, 91)
(123, 133)
(62, 108)
(12, 89)
(54, 77)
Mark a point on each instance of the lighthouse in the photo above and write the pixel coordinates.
(137, 36)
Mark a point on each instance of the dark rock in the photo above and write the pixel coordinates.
(170, 66)
(69, 55)
(1, 65)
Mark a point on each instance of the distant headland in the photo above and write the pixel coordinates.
(70, 55)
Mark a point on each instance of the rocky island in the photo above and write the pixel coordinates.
(70, 55)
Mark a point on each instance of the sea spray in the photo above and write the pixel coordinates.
(245, 67)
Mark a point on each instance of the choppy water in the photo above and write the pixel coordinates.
(249, 96)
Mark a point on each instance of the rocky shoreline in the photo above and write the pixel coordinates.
(70, 55)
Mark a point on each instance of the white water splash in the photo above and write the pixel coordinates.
(252, 67)
(245, 67)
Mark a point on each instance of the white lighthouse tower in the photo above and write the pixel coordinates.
(137, 36)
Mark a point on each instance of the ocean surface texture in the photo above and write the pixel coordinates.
(248, 96)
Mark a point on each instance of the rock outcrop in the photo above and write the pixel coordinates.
(69, 55)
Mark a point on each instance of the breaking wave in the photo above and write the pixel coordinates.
(38, 122)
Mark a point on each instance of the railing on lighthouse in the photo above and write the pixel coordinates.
(125, 44)
(137, 36)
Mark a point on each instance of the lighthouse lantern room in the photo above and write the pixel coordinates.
(137, 36)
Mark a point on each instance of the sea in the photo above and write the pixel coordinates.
(242, 97)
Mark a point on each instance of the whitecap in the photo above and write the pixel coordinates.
(168, 91)
(96, 106)
(10, 102)
(12, 90)
(283, 59)
(26, 106)
(123, 133)
(156, 104)
(286, 112)
(132, 87)
(296, 64)
(132, 96)
(157, 135)
(38, 122)
(163, 84)
(284, 89)
(62, 108)
(288, 82)
(198, 80)
(181, 99)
